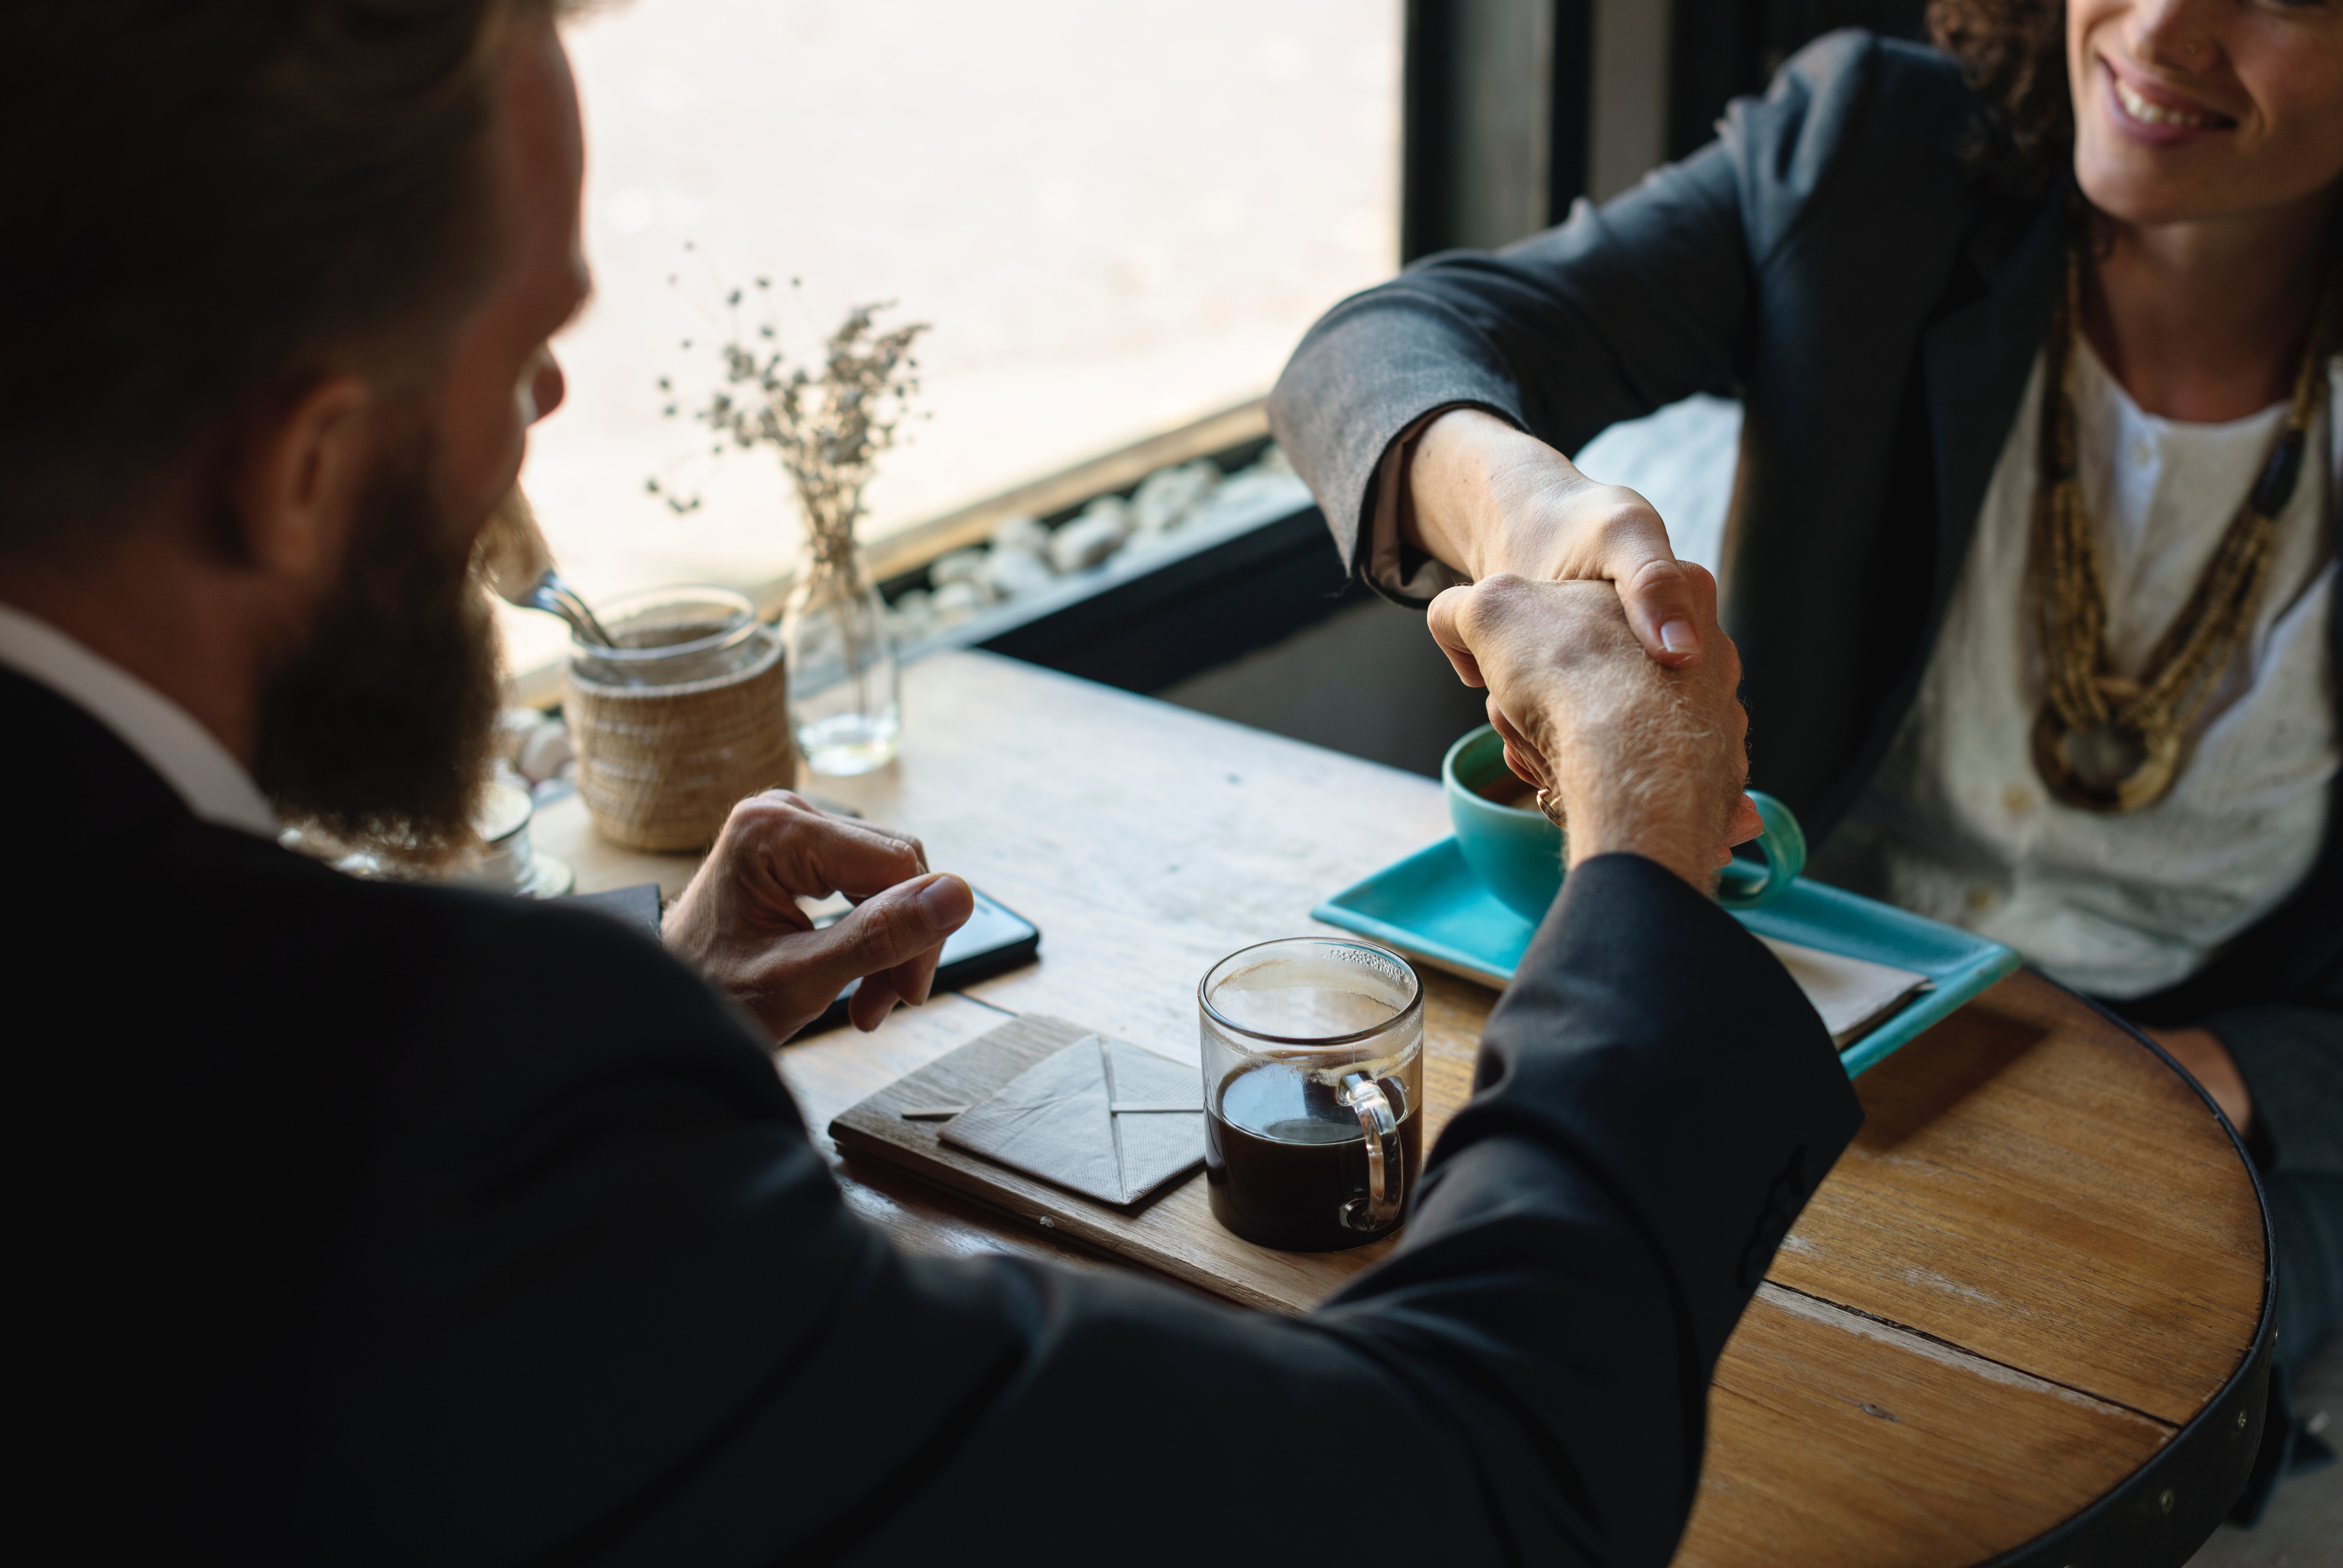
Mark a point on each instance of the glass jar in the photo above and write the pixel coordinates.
(845, 693)
(673, 637)
(686, 716)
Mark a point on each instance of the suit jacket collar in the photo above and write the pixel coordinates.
(1975, 362)
(73, 779)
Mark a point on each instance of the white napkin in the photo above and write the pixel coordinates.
(1854, 996)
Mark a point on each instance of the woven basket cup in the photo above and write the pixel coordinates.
(661, 762)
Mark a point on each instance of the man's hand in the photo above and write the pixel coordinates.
(1486, 498)
(1643, 758)
(739, 922)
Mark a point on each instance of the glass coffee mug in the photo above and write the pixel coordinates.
(1313, 1091)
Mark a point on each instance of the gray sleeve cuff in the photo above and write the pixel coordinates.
(1365, 375)
(2291, 1058)
(1393, 567)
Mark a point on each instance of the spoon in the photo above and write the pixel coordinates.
(518, 563)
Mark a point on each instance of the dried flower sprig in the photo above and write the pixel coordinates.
(829, 428)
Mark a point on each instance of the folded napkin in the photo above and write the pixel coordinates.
(1106, 1118)
(1854, 996)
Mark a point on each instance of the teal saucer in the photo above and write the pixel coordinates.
(1431, 906)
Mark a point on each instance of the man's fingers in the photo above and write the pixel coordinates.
(781, 840)
(1523, 757)
(1746, 825)
(901, 927)
(1439, 616)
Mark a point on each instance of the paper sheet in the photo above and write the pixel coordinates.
(1854, 996)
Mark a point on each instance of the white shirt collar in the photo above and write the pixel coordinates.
(189, 757)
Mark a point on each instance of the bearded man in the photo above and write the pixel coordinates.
(388, 1224)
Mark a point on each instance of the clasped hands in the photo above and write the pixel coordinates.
(1607, 672)
(1615, 693)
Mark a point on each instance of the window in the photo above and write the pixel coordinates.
(1117, 220)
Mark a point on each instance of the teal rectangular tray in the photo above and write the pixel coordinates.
(1430, 906)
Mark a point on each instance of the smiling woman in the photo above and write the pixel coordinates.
(2033, 555)
(1116, 220)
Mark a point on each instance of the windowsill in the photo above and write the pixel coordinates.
(910, 550)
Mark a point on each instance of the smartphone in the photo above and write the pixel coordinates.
(996, 937)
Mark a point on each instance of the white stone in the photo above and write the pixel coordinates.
(544, 751)
(910, 616)
(1020, 531)
(1012, 574)
(956, 602)
(960, 566)
(1170, 496)
(1255, 488)
(1086, 542)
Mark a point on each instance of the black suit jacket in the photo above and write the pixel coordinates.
(1877, 308)
(369, 1223)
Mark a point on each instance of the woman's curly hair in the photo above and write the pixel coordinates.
(2014, 52)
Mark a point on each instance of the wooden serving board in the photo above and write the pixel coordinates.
(1173, 1232)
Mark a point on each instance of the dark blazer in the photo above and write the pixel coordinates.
(372, 1224)
(1877, 308)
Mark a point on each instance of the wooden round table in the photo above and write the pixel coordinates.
(2023, 1322)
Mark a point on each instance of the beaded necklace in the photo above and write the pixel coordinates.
(2104, 741)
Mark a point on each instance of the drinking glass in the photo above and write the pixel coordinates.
(1313, 1085)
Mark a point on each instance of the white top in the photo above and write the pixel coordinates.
(2121, 905)
(189, 757)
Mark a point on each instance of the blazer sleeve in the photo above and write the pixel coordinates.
(1628, 307)
(604, 1302)
(1616, 312)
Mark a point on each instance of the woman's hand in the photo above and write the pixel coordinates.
(1643, 758)
(738, 923)
(2201, 1055)
(1486, 499)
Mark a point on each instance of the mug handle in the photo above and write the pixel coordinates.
(1386, 1162)
(1783, 845)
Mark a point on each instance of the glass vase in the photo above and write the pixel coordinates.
(845, 697)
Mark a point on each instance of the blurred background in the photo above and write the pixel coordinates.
(1118, 221)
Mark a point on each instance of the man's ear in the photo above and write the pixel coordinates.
(298, 474)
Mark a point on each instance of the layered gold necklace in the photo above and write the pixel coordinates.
(2107, 741)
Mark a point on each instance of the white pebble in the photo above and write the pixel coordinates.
(1020, 531)
(909, 616)
(543, 750)
(1011, 574)
(1170, 496)
(960, 566)
(956, 602)
(1090, 539)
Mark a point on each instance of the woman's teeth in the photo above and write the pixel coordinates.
(2140, 109)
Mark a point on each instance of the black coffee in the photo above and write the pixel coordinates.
(1286, 1162)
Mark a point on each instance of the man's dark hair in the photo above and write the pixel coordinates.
(208, 203)
(2014, 52)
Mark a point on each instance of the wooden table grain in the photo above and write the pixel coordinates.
(2040, 1267)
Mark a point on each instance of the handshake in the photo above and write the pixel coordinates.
(1638, 757)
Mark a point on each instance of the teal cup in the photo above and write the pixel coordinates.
(1517, 853)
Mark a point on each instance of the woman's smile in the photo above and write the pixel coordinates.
(2155, 112)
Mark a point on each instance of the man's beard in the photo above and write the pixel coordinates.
(378, 731)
